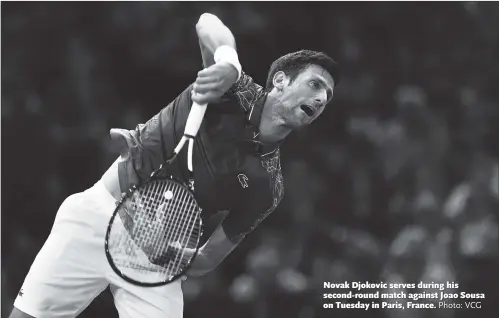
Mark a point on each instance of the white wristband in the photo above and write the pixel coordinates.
(226, 53)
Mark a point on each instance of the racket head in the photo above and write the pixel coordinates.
(153, 235)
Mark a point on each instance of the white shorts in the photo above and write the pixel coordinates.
(71, 269)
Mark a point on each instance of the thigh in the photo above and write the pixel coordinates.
(16, 313)
(152, 302)
(69, 271)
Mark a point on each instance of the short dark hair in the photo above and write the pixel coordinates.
(293, 63)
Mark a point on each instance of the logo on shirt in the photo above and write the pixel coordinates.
(21, 293)
(243, 180)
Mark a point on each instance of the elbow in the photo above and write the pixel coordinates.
(202, 265)
(208, 17)
(207, 20)
(213, 33)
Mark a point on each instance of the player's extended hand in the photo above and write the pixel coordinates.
(213, 82)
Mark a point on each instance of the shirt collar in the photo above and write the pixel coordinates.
(254, 118)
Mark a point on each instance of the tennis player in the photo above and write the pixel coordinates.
(236, 170)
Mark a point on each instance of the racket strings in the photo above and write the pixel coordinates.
(179, 207)
(165, 224)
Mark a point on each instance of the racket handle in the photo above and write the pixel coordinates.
(194, 120)
(179, 146)
(192, 125)
(189, 154)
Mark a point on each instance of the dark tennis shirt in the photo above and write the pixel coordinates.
(232, 170)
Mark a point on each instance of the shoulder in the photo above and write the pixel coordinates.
(245, 91)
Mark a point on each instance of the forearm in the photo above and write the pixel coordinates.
(212, 253)
(212, 34)
(201, 265)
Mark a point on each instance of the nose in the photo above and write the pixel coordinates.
(321, 98)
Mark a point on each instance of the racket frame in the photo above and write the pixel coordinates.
(126, 195)
(192, 126)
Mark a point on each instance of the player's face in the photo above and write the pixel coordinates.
(303, 100)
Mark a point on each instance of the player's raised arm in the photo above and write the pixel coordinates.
(212, 34)
(222, 67)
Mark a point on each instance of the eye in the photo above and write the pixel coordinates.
(314, 84)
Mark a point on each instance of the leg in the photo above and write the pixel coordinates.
(69, 271)
(16, 313)
(63, 279)
(148, 302)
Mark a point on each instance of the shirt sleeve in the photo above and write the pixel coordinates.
(151, 144)
(240, 97)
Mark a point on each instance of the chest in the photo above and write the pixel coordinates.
(228, 168)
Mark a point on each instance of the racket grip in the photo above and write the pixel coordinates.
(180, 145)
(194, 120)
(189, 154)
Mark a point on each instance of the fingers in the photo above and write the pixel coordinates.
(207, 98)
(205, 88)
(212, 82)
(204, 80)
(204, 72)
(215, 71)
(207, 80)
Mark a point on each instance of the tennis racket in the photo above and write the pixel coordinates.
(153, 235)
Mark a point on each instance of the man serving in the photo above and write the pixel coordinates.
(236, 171)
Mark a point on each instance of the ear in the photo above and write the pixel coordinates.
(280, 80)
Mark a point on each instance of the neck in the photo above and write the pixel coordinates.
(272, 128)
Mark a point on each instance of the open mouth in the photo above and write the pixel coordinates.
(308, 110)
